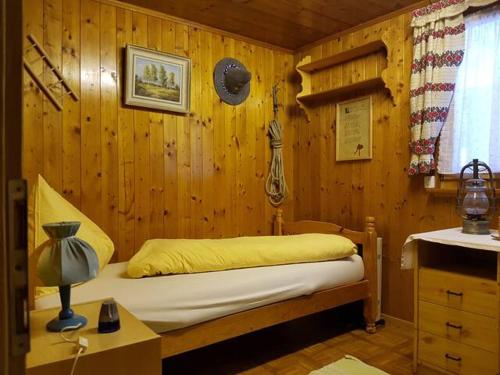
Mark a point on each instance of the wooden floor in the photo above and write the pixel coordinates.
(300, 347)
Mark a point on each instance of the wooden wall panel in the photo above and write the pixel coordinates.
(52, 122)
(71, 157)
(126, 207)
(90, 102)
(109, 116)
(346, 192)
(33, 154)
(141, 174)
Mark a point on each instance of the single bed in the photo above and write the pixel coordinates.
(166, 303)
(194, 310)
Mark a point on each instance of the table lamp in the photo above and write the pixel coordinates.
(65, 260)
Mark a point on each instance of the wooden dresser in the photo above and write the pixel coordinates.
(457, 303)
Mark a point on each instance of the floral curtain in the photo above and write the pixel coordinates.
(438, 51)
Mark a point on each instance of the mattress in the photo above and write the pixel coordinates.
(167, 303)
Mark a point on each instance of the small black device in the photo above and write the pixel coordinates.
(109, 321)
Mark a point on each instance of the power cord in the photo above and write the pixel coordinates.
(80, 351)
(82, 343)
(69, 328)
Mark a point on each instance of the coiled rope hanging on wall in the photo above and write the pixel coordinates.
(276, 187)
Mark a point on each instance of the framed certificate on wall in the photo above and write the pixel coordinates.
(354, 129)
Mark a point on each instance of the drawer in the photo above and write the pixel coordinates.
(455, 357)
(461, 292)
(460, 326)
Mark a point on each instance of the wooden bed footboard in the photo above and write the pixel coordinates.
(367, 240)
(206, 333)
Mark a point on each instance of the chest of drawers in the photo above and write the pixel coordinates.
(457, 304)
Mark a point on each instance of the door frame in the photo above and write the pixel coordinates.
(11, 123)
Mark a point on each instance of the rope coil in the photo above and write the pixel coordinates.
(276, 187)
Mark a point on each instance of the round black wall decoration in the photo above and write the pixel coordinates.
(232, 81)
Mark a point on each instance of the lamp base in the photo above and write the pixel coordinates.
(66, 318)
(476, 226)
(58, 325)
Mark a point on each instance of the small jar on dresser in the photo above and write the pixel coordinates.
(457, 302)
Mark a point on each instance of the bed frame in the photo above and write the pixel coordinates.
(206, 333)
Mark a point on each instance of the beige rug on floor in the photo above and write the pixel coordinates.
(348, 365)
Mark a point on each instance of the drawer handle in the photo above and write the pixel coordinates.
(451, 325)
(453, 357)
(452, 293)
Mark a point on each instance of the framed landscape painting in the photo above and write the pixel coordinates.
(157, 80)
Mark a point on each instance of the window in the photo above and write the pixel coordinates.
(472, 129)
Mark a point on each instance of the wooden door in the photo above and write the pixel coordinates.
(14, 330)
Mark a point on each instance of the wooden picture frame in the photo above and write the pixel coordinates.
(157, 80)
(354, 129)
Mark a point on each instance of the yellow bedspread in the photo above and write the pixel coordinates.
(174, 256)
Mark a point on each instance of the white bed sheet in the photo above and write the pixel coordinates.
(166, 303)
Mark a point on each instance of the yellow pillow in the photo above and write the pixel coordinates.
(172, 256)
(48, 206)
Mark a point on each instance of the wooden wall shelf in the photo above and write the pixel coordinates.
(344, 56)
(311, 98)
(307, 98)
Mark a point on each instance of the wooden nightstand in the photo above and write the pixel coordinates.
(457, 303)
(134, 349)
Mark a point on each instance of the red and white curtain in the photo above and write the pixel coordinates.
(438, 51)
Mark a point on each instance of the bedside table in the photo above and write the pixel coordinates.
(457, 302)
(134, 349)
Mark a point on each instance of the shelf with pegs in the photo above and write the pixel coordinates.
(53, 68)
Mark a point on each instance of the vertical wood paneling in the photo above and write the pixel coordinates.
(142, 197)
(220, 198)
(33, 155)
(126, 177)
(139, 173)
(170, 148)
(346, 192)
(242, 153)
(183, 145)
(195, 125)
(267, 109)
(90, 101)
(109, 126)
(156, 148)
(262, 87)
(52, 122)
(207, 134)
(71, 153)
(250, 124)
(232, 145)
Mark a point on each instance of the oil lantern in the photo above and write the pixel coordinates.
(476, 198)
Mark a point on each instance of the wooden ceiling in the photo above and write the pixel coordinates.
(286, 23)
